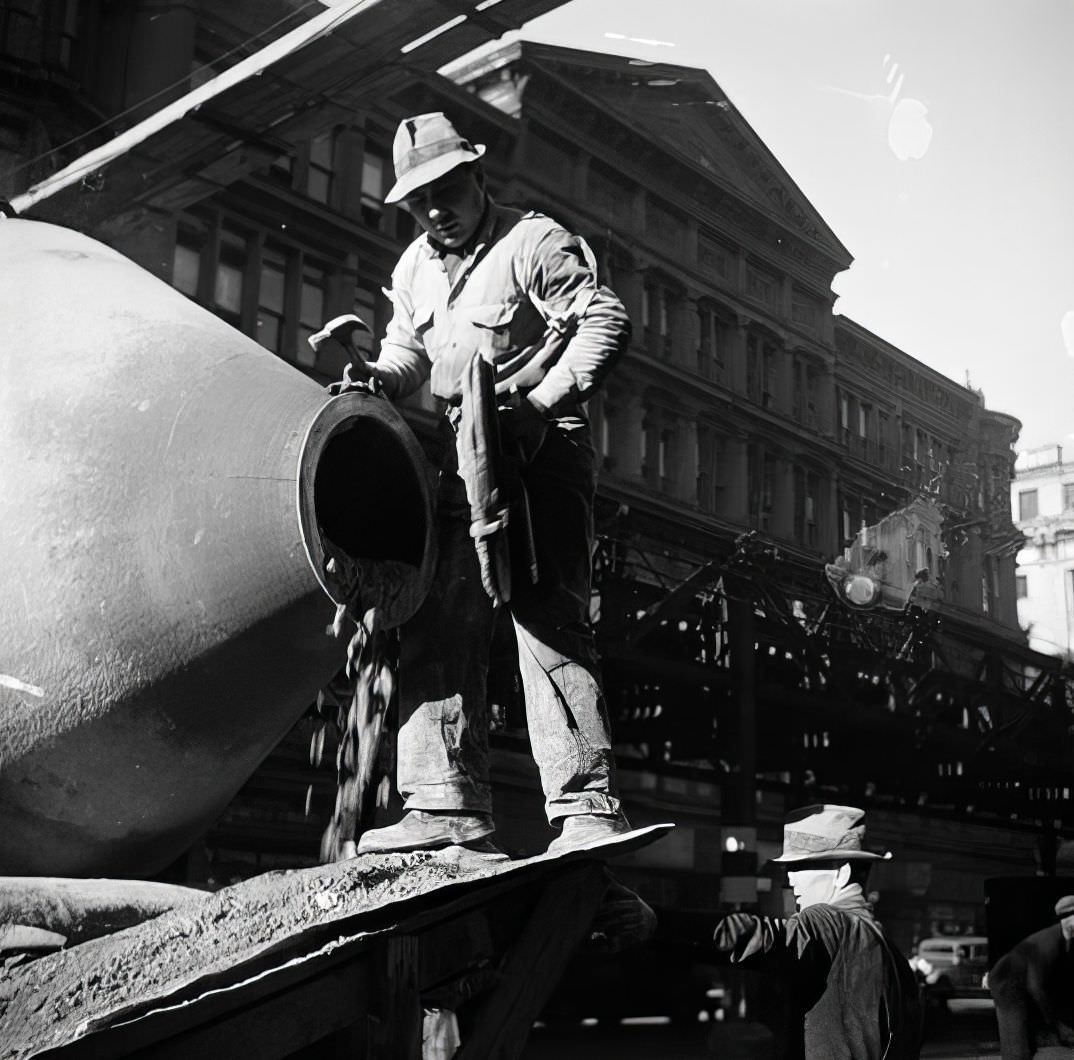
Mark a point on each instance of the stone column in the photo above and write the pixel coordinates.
(339, 297)
(637, 212)
(740, 272)
(687, 470)
(691, 336)
(734, 499)
(626, 441)
(786, 298)
(690, 242)
(628, 285)
(826, 323)
(350, 151)
(826, 402)
(783, 498)
(736, 358)
(251, 284)
(784, 384)
(829, 528)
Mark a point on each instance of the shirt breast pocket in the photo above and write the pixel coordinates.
(491, 324)
(503, 328)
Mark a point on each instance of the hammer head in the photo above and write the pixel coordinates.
(340, 328)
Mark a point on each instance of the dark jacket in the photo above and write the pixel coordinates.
(1033, 987)
(854, 993)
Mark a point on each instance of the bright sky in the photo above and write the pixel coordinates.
(936, 138)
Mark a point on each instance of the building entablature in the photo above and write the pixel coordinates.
(645, 164)
(655, 267)
(792, 243)
(704, 397)
(858, 349)
(821, 355)
(801, 325)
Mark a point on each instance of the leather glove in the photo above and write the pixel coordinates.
(528, 426)
(731, 928)
(494, 559)
(622, 921)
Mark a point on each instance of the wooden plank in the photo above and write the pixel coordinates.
(395, 1026)
(157, 1019)
(382, 1019)
(497, 898)
(270, 1029)
(453, 945)
(142, 1033)
(535, 965)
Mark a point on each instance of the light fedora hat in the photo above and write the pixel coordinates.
(426, 147)
(826, 833)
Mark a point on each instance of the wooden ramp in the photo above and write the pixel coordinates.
(336, 961)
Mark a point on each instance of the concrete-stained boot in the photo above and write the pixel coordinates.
(582, 829)
(426, 830)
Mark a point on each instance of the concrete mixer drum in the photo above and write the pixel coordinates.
(365, 512)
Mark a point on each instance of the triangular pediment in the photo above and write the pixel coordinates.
(685, 111)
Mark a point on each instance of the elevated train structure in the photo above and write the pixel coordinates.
(880, 707)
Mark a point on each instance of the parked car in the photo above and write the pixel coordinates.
(952, 966)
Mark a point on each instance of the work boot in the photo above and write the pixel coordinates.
(428, 830)
(582, 829)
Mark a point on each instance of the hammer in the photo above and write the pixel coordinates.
(342, 329)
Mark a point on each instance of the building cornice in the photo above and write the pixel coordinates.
(799, 215)
(734, 218)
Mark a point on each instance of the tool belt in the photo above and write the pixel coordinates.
(500, 522)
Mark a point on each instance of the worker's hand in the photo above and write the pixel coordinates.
(358, 372)
(358, 380)
(623, 920)
(731, 928)
(527, 426)
(336, 341)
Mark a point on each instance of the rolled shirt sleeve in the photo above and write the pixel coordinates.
(403, 364)
(560, 275)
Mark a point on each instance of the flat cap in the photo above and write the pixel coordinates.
(1065, 906)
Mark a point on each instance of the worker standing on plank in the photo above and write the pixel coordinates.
(501, 311)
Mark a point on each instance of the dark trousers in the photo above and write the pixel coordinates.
(443, 721)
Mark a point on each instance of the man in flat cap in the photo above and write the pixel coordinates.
(502, 312)
(1033, 988)
(853, 992)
